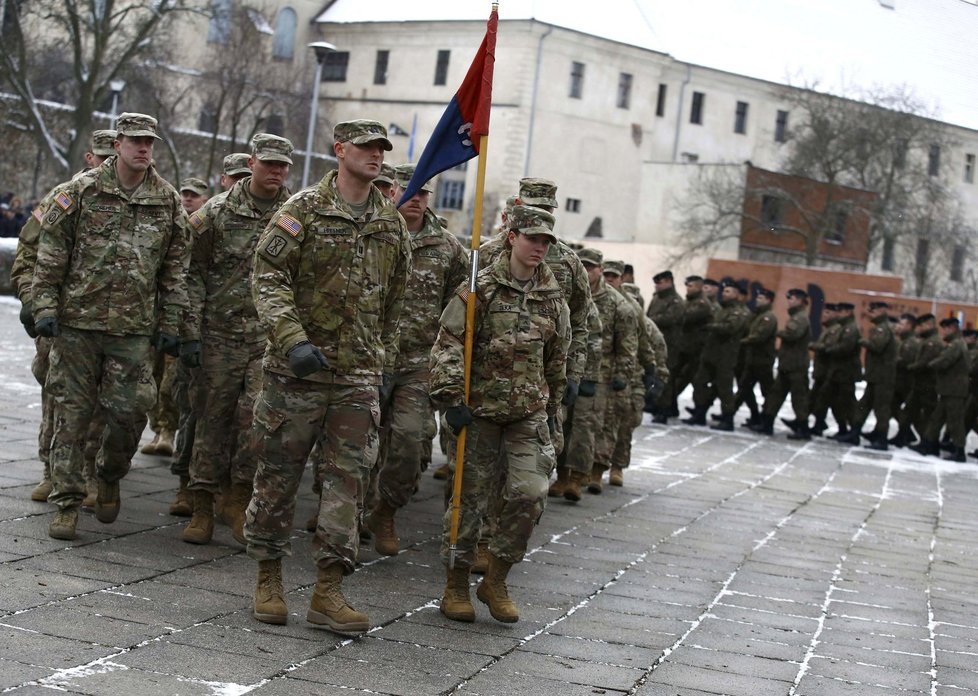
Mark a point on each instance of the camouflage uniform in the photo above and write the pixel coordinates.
(111, 268)
(336, 281)
(630, 414)
(521, 337)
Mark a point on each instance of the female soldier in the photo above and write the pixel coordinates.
(522, 331)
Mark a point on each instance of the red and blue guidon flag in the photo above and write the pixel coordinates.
(456, 137)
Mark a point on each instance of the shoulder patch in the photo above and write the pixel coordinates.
(289, 224)
(38, 214)
(63, 200)
(196, 220)
(276, 245)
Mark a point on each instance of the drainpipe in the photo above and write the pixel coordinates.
(679, 118)
(533, 101)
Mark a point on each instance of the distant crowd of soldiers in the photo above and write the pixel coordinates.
(927, 383)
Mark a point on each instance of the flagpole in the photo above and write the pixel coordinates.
(480, 186)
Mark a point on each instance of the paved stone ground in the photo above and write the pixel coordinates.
(729, 564)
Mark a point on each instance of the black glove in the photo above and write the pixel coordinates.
(587, 388)
(618, 384)
(27, 319)
(551, 425)
(648, 379)
(305, 359)
(458, 417)
(190, 353)
(167, 343)
(47, 327)
(570, 393)
(654, 390)
(386, 390)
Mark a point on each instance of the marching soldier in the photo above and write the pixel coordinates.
(951, 368)
(881, 357)
(697, 313)
(845, 368)
(792, 377)
(923, 397)
(667, 310)
(906, 356)
(759, 352)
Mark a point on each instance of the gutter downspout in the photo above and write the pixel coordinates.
(679, 115)
(533, 101)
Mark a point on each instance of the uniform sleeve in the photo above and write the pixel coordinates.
(878, 340)
(661, 350)
(201, 229)
(847, 342)
(172, 279)
(949, 355)
(645, 355)
(56, 240)
(391, 333)
(626, 342)
(25, 260)
(595, 339)
(696, 312)
(578, 304)
(447, 361)
(795, 329)
(762, 329)
(555, 359)
(459, 268)
(277, 257)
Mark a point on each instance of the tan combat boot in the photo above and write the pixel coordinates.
(234, 509)
(443, 472)
(597, 473)
(150, 447)
(164, 445)
(183, 504)
(455, 602)
(617, 476)
(270, 605)
(91, 493)
(201, 527)
(573, 490)
(63, 524)
(381, 523)
(494, 593)
(43, 489)
(481, 564)
(329, 607)
(558, 487)
(107, 501)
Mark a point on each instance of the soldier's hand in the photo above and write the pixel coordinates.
(306, 359)
(27, 319)
(386, 390)
(587, 388)
(190, 353)
(618, 384)
(648, 379)
(47, 327)
(570, 393)
(458, 417)
(167, 343)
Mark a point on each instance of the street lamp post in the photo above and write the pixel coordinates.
(116, 86)
(322, 50)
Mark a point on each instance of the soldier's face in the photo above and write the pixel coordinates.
(360, 161)
(793, 300)
(593, 273)
(905, 326)
(529, 249)
(135, 153)
(730, 294)
(694, 286)
(191, 200)
(762, 301)
(267, 176)
(413, 209)
(613, 279)
(661, 285)
(710, 290)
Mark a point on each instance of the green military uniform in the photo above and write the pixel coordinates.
(820, 395)
(923, 398)
(951, 368)
(792, 377)
(909, 345)
(667, 310)
(698, 311)
(881, 358)
(971, 406)
(844, 370)
(715, 376)
(758, 358)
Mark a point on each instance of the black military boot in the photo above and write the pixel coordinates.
(697, 416)
(800, 433)
(820, 426)
(791, 423)
(878, 443)
(902, 438)
(755, 419)
(849, 438)
(724, 423)
(955, 455)
(947, 445)
(661, 418)
(767, 425)
(927, 447)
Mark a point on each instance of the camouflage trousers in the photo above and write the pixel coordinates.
(948, 414)
(529, 459)
(92, 370)
(39, 367)
(629, 416)
(794, 382)
(584, 428)
(291, 415)
(230, 380)
(186, 395)
(618, 405)
(878, 398)
(164, 414)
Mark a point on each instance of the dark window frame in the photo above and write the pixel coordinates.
(660, 99)
(740, 117)
(781, 126)
(577, 80)
(381, 64)
(335, 66)
(442, 62)
(696, 108)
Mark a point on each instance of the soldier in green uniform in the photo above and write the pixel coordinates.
(386, 181)
(234, 168)
(970, 337)
(328, 281)
(923, 397)
(819, 397)
(521, 336)
(697, 312)
(881, 358)
(909, 344)
(845, 369)
(792, 377)
(667, 310)
(759, 352)
(950, 368)
(110, 276)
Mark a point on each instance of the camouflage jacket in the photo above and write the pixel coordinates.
(519, 351)
(724, 332)
(881, 352)
(595, 339)
(844, 363)
(760, 338)
(439, 265)
(666, 309)
(112, 262)
(930, 347)
(645, 356)
(619, 334)
(224, 233)
(697, 313)
(323, 276)
(951, 367)
(793, 350)
(572, 278)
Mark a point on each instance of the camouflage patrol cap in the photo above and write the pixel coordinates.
(266, 147)
(386, 175)
(508, 207)
(102, 143)
(526, 219)
(535, 191)
(403, 174)
(614, 267)
(361, 132)
(590, 256)
(136, 125)
(195, 184)
(236, 163)
(632, 289)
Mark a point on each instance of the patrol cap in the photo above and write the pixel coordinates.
(403, 174)
(360, 132)
(632, 289)
(590, 256)
(879, 304)
(236, 163)
(195, 184)
(694, 279)
(629, 268)
(534, 191)
(970, 333)
(845, 306)
(526, 219)
(924, 318)
(386, 175)
(739, 285)
(614, 267)
(510, 202)
(664, 275)
(831, 306)
(798, 292)
(710, 281)
(102, 142)
(266, 147)
(950, 321)
(764, 292)
(136, 125)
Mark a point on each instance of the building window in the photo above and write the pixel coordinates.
(334, 66)
(275, 124)
(837, 234)
(573, 205)
(923, 253)
(577, 80)
(624, 90)
(660, 101)
(283, 41)
(696, 110)
(900, 153)
(934, 160)
(380, 67)
(781, 127)
(207, 118)
(219, 27)
(957, 263)
(441, 67)
(969, 169)
(740, 119)
(451, 195)
(888, 248)
(772, 212)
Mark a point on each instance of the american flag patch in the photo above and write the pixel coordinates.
(289, 224)
(63, 200)
(38, 214)
(196, 220)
